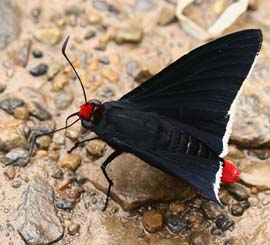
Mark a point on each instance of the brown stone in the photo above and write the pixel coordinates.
(152, 221)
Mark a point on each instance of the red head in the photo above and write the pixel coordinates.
(230, 173)
(89, 109)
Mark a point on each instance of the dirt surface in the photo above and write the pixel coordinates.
(57, 198)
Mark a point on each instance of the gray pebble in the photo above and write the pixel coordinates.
(39, 70)
(37, 53)
(177, 224)
(238, 191)
(144, 5)
(64, 204)
(90, 34)
(237, 210)
(16, 157)
(104, 60)
(100, 5)
(132, 68)
(2, 87)
(10, 104)
(38, 111)
(224, 223)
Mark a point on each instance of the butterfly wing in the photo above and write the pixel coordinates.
(200, 88)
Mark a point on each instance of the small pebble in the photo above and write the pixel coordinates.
(35, 13)
(177, 224)
(39, 70)
(43, 142)
(21, 113)
(73, 228)
(223, 222)
(238, 191)
(63, 184)
(53, 70)
(199, 238)
(10, 172)
(152, 221)
(22, 55)
(38, 111)
(16, 157)
(245, 204)
(16, 183)
(94, 18)
(167, 15)
(50, 36)
(104, 60)
(10, 104)
(237, 210)
(90, 34)
(59, 82)
(64, 204)
(96, 148)
(57, 174)
(144, 5)
(37, 53)
(128, 35)
(71, 161)
(93, 200)
(177, 207)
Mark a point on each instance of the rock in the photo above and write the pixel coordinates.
(167, 15)
(89, 34)
(237, 210)
(152, 221)
(238, 191)
(53, 70)
(109, 74)
(210, 209)
(135, 183)
(37, 53)
(128, 35)
(64, 204)
(199, 238)
(50, 36)
(21, 113)
(223, 222)
(36, 110)
(177, 207)
(29, 94)
(39, 70)
(59, 82)
(94, 18)
(251, 127)
(253, 5)
(10, 104)
(96, 148)
(16, 157)
(43, 142)
(35, 13)
(132, 68)
(37, 222)
(10, 172)
(11, 137)
(63, 99)
(256, 174)
(245, 204)
(144, 5)
(71, 161)
(178, 224)
(100, 5)
(10, 22)
(22, 55)
(16, 183)
(73, 10)
(73, 228)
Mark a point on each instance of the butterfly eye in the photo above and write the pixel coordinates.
(95, 102)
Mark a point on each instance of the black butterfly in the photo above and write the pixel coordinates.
(180, 119)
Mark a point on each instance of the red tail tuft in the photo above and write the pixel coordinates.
(230, 173)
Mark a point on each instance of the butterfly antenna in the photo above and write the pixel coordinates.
(47, 133)
(73, 68)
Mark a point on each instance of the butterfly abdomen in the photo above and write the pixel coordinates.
(182, 142)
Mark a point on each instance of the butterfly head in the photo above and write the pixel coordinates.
(89, 112)
(230, 173)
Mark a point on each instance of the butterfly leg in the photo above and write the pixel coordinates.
(81, 142)
(103, 168)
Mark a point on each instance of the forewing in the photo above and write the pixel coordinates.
(200, 88)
